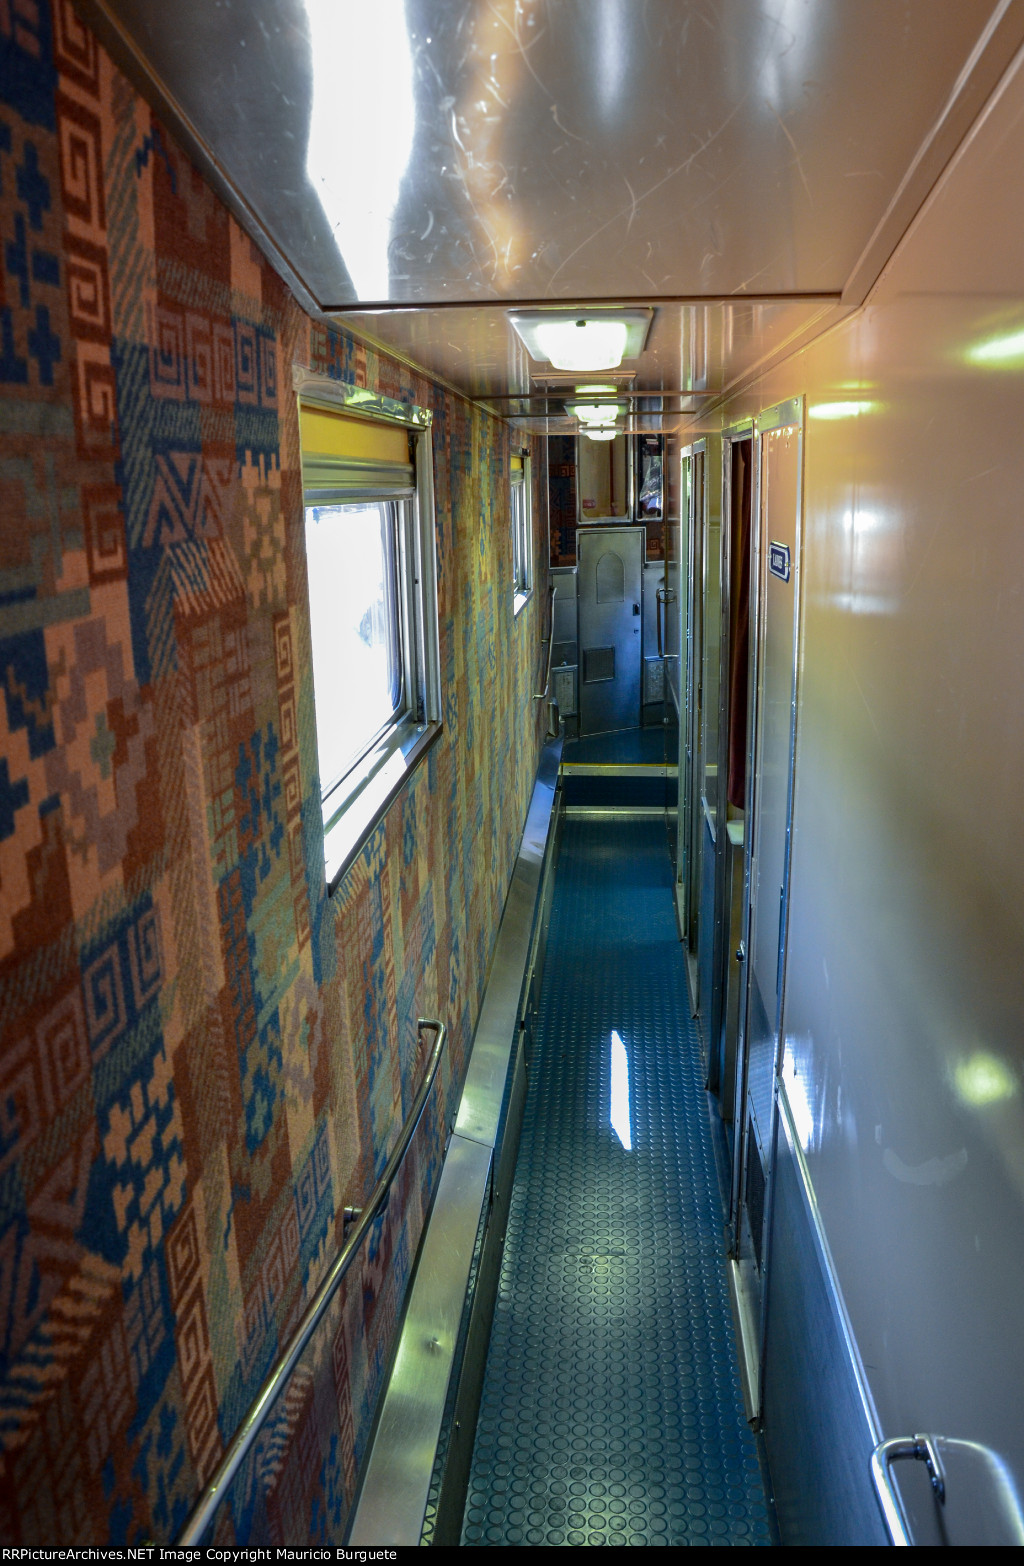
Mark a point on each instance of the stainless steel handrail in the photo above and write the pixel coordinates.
(924, 1449)
(210, 1498)
(663, 597)
(540, 695)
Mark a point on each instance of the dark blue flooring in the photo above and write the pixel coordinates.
(611, 1410)
(624, 746)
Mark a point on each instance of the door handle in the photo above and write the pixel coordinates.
(924, 1449)
(969, 1482)
(660, 601)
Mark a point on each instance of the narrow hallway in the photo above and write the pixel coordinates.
(611, 1408)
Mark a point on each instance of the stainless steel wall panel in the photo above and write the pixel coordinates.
(904, 1056)
(393, 1496)
(818, 1434)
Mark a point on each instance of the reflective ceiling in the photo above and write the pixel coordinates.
(456, 156)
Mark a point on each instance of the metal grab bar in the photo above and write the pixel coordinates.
(663, 597)
(210, 1498)
(924, 1449)
(540, 695)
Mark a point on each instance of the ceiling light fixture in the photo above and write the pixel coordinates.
(605, 432)
(583, 339)
(595, 412)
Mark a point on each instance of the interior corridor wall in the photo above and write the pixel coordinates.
(905, 985)
(203, 1059)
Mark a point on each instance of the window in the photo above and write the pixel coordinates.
(522, 532)
(369, 525)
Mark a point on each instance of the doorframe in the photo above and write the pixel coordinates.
(743, 430)
(690, 598)
(593, 530)
(750, 1291)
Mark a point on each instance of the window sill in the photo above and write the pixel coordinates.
(520, 601)
(353, 809)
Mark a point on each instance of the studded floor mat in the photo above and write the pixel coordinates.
(611, 1410)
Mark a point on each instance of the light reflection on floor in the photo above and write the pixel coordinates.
(620, 1093)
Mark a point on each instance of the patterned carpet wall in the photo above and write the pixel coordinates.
(202, 1059)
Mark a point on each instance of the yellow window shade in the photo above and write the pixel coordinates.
(353, 459)
(327, 434)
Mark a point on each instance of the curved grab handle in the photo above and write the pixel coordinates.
(540, 695)
(663, 597)
(924, 1449)
(210, 1498)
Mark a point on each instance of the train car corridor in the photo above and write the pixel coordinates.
(611, 1409)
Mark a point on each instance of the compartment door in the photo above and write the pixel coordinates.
(610, 585)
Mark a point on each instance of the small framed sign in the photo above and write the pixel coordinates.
(778, 561)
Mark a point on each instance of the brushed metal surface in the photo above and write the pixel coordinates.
(393, 1497)
(453, 158)
(688, 150)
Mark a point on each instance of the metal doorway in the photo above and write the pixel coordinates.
(690, 724)
(610, 586)
(774, 627)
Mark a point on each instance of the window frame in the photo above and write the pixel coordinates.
(355, 803)
(522, 532)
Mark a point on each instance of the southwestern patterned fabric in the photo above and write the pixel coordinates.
(202, 1058)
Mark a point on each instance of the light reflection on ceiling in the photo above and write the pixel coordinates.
(417, 167)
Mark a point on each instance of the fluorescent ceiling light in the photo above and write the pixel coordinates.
(595, 412)
(605, 432)
(583, 339)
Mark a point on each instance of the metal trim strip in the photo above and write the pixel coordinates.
(828, 1266)
(393, 1497)
(391, 1500)
(597, 812)
(623, 769)
(322, 391)
(781, 416)
(366, 808)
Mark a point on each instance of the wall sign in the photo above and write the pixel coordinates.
(778, 561)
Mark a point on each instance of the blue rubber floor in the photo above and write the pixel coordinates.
(611, 1410)
(624, 746)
